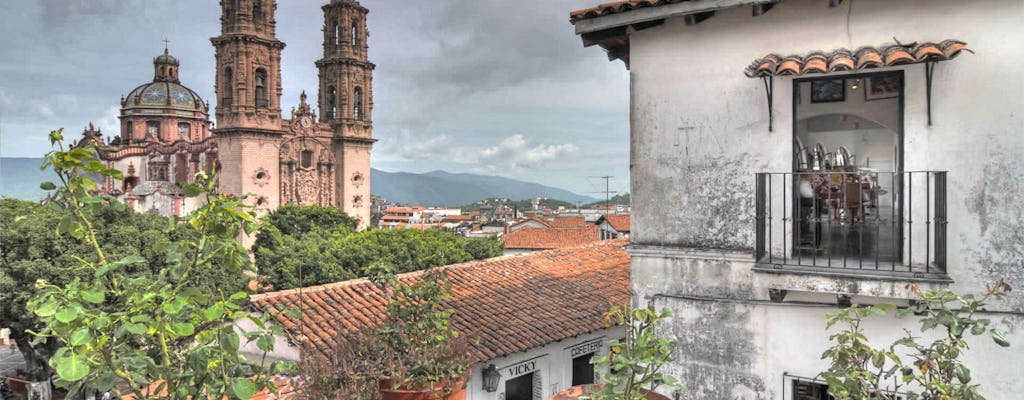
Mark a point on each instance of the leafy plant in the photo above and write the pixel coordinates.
(933, 370)
(420, 349)
(634, 363)
(154, 335)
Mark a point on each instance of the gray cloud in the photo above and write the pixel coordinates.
(454, 79)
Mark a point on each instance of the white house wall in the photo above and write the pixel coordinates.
(553, 363)
(700, 133)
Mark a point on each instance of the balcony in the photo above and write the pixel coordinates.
(864, 224)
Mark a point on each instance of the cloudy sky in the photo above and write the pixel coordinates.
(483, 86)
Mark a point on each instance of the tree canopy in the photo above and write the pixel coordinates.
(305, 246)
(33, 250)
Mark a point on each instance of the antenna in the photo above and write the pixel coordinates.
(607, 179)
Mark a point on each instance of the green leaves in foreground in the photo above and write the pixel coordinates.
(119, 331)
(911, 366)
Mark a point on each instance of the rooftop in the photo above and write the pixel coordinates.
(550, 238)
(511, 304)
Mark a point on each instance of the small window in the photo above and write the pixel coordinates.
(128, 128)
(354, 34)
(307, 159)
(184, 131)
(153, 130)
(357, 109)
(228, 88)
(337, 34)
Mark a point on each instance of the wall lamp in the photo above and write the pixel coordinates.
(491, 377)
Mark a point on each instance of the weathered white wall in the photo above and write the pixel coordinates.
(700, 133)
(553, 363)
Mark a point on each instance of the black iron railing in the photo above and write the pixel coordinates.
(892, 222)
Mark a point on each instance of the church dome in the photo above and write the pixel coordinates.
(165, 95)
(165, 91)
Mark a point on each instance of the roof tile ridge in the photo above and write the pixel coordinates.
(310, 289)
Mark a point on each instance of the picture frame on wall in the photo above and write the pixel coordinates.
(828, 91)
(881, 87)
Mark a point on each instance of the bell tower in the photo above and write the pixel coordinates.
(346, 102)
(248, 100)
(248, 56)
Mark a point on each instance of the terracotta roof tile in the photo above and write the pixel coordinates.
(550, 238)
(863, 58)
(510, 304)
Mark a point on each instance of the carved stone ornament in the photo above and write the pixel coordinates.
(307, 187)
(357, 201)
(261, 177)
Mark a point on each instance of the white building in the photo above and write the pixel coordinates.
(537, 319)
(928, 188)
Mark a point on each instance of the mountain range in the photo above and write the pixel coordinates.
(20, 178)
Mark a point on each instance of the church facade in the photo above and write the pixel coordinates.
(312, 157)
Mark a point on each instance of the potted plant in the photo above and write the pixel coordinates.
(634, 363)
(423, 356)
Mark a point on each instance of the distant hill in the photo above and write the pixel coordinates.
(20, 178)
(440, 188)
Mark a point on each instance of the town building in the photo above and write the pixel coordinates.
(614, 226)
(535, 319)
(789, 158)
(312, 156)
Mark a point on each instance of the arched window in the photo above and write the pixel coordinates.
(357, 104)
(153, 130)
(184, 131)
(261, 88)
(307, 158)
(227, 95)
(332, 102)
(354, 31)
(257, 10)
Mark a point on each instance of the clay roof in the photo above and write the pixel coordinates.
(616, 7)
(508, 304)
(864, 58)
(619, 222)
(550, 238)
(568, 222)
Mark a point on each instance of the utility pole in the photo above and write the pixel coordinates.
(607, 179)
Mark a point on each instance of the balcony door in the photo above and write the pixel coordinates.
(847, 163)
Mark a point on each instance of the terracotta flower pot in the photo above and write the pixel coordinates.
(584, 390)
(384, 387)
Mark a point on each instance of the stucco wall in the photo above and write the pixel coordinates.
(700, 132)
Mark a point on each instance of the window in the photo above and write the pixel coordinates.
(128, 130)
(357, 108)
(306, 158)
(184, 131)
(257, 10)
(337, 34)
(332, 102)
(847, 202)
(158, 171)
(181, 168)
(228, 89)
(261, 88)
(809, 390)
(153, 130)
(520, 388)
(354, 32)
(582, 370)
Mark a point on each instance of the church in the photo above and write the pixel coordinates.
(317, 156)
